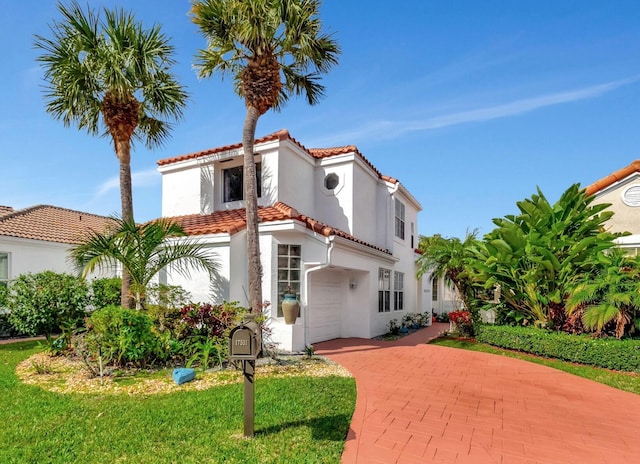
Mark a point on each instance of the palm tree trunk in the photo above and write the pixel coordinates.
(123, 152)
(254, 268)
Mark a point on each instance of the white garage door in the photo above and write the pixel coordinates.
(324, 306)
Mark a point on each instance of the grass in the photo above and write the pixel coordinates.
(621, 380)
(297, 419)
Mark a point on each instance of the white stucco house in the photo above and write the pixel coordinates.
(332, 227)
(39, 238)
(622, 190)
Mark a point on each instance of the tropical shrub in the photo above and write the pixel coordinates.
(537, 255)
(610, 353)
(42, 303)
(394, 327)
(106, 292)
(212, 320)
(168, 296)
(205, 329)
(119, 336)
(463, 322)
(609, 300)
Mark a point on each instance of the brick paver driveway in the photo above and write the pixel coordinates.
(421, 403)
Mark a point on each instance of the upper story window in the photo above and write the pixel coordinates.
(399, 229)
(4, 269)
(331, 181)
(233, 186)
(631, 196)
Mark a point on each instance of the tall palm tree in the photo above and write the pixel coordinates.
(143, 251)
(273, 49)
(111, 77)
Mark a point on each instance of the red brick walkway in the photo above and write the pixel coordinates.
(421, 403)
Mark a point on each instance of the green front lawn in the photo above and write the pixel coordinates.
(622, 380)
(297, 419)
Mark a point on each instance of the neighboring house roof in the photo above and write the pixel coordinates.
(5, 210)
(51, 224)
(283, 134)
(612, 178)
(233, 221)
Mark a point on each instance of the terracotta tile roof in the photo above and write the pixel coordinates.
(283, 134)
(5, 210)
(280, 135)
(232, 221)
(611, 179)
(51, 224)
(320, 153)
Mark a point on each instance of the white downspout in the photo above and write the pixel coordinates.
(316, 267)
(389, 216)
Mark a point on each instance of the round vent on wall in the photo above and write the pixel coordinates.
(631, 196)
(331, 181)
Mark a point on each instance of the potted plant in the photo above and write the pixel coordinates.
(290, 306)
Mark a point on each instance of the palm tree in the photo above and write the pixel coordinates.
(448, 258)
(611, 296)
(110, 77)
(143, 251)
(273, 49)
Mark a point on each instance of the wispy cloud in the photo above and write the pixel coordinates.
(377, 130)
(139, 179)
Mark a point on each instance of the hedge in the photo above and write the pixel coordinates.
(610, 353)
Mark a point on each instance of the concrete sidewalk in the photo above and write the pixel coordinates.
(421, 403)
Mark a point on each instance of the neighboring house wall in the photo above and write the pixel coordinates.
(35, 256)
(621, 189)
(39, 238)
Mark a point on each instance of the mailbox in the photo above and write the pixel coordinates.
(245, 341)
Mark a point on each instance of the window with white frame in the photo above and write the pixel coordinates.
(399, 229)
(398, 291)
(384, 290)
(4, 269)
(289, 264)
(434, 289)
(233, 185)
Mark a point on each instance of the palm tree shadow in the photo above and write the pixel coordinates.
(327, 428)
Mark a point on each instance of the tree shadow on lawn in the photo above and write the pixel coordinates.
(330, 428)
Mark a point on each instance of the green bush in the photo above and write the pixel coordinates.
(122, 337)
(169, 296)
(42, 303)
(4, 295)
(106, 292)
(610, 353)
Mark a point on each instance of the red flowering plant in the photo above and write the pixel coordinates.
(463, 322)
(211, 320)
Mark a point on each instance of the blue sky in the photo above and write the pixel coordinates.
(470, 104)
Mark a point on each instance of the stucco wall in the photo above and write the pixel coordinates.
(33, 256)
(365, 206)
(295, 179)
(334, 207)
(181, 191)
(626, 218)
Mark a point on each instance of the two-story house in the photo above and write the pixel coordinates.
(332, 227)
